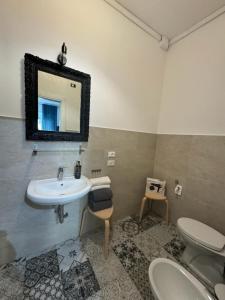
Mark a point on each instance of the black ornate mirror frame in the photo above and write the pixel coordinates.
(32, 65)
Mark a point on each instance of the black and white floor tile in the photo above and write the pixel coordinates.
(70, 252)
(176, 248)
(78, 269)
(79, 282)
(136, 265)
(163, 233)
(153, 251)
(45, 289)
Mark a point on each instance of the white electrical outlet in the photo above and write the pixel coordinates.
(111, 154)
(178, 190)
(111, 163)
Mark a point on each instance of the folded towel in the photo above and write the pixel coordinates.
(96, 206)
(100, 195)
(100, 181)
(98, 187)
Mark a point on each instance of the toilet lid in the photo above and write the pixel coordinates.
(220, 291)
(202, 233)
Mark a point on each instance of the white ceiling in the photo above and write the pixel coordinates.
(171, 17)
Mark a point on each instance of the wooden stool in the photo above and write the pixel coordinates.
(105, 215)
(155, 197)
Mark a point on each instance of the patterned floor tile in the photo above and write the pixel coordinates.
(118, 233)
(79, 282)
(93, 249)
(131, 226)
(115, 291)
(108, 269)
(147, 221)
(96, 296)
(129, 290)
(46, 289)
(78, 269)
(112, 291)
(150, 246)
(163, 233)
(68, 252)
(45, 265)
(136, 265)
(175, 248)
(15, 270)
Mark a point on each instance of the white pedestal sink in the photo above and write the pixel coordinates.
(58, 192)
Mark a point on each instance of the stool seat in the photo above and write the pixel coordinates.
(155, 196)
(103, 214)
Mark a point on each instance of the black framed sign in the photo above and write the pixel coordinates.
(57, 101)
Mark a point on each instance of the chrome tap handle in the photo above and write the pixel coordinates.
(60, 173)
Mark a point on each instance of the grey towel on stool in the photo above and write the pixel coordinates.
(100, 199)
(100, 195)
(96, 206)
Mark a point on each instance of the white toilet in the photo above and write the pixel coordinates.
(205, 250)
(170, 281)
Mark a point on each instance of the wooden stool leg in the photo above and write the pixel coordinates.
(82, 221)
(111, 226)
(150, 204)
(106, 246)
(167, 212)
(142, 208)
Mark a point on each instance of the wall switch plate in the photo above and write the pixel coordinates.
(111, 163)
(178, 190)
(111, 154)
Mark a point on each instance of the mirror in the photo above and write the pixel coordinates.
(57, 101)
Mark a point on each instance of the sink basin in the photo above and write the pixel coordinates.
(55, 192)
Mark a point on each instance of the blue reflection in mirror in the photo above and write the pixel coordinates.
(48, 114)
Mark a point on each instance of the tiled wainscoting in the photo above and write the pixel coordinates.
(78, 270)
(26, 229)
(198, 162)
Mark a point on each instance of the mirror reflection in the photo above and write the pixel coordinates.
(59, 103)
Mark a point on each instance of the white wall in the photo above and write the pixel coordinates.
(125, 63)
(193, 98)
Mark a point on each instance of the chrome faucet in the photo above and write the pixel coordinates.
(60, 173)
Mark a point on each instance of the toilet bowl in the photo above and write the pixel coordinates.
(170, 281)
(205, 250)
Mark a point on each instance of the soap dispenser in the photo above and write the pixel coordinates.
(77, 170)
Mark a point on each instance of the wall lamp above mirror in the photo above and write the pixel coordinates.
(57, 101)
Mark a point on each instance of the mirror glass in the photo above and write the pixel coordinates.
(59, 103)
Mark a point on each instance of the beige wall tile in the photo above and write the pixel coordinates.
(30, 228)
(198, 162)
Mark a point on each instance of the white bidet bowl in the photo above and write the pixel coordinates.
(170, 281)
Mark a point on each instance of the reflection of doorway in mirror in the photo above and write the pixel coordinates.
(53, 87)
(49, 114)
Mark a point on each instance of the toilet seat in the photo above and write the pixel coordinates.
(202, 233)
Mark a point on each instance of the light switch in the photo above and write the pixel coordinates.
(111, 154)
(111, 163)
